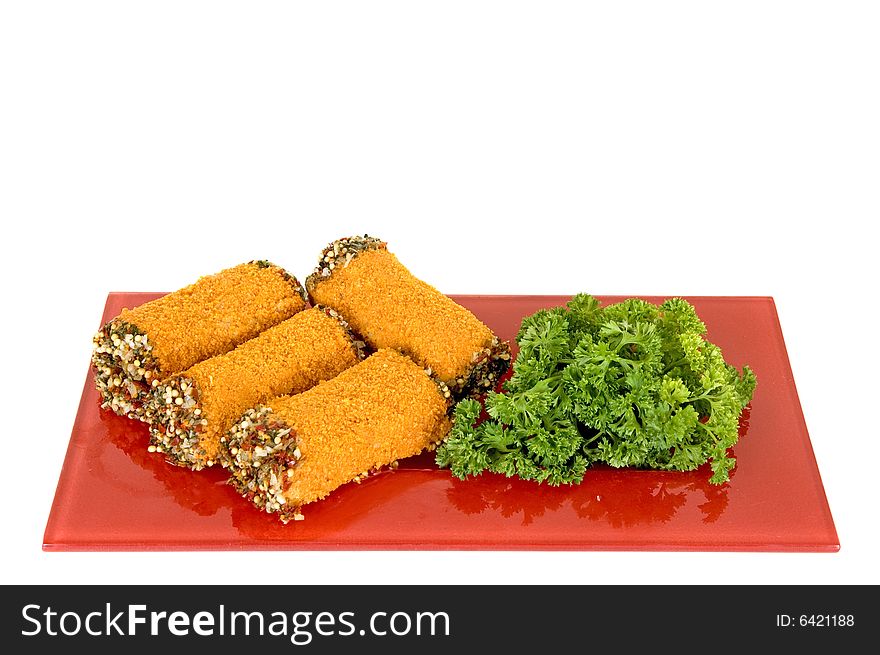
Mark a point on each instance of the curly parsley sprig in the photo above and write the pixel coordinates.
(631, 384)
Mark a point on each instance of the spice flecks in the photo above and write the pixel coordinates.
(125, 368)
(261, 453)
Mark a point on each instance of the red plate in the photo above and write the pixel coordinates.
(114, 495)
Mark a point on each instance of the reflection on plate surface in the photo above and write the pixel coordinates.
(114, 495)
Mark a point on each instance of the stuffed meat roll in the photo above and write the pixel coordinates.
(391, 308)
(297, 449)
(142, 346)
(191, 411)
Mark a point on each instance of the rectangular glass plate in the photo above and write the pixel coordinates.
(114, 495)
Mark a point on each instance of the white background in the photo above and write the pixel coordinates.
(511, 147)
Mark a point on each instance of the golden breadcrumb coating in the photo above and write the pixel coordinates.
(139, 348)
(369, 416)
(288, 358)
(215, 314)
(391, 308)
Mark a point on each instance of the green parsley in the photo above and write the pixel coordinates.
(630, 384)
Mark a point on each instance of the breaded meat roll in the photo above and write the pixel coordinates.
(295, 450)
(142, 346)
(191, 411)
(391, 308)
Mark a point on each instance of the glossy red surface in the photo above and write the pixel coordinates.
(114, 495)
